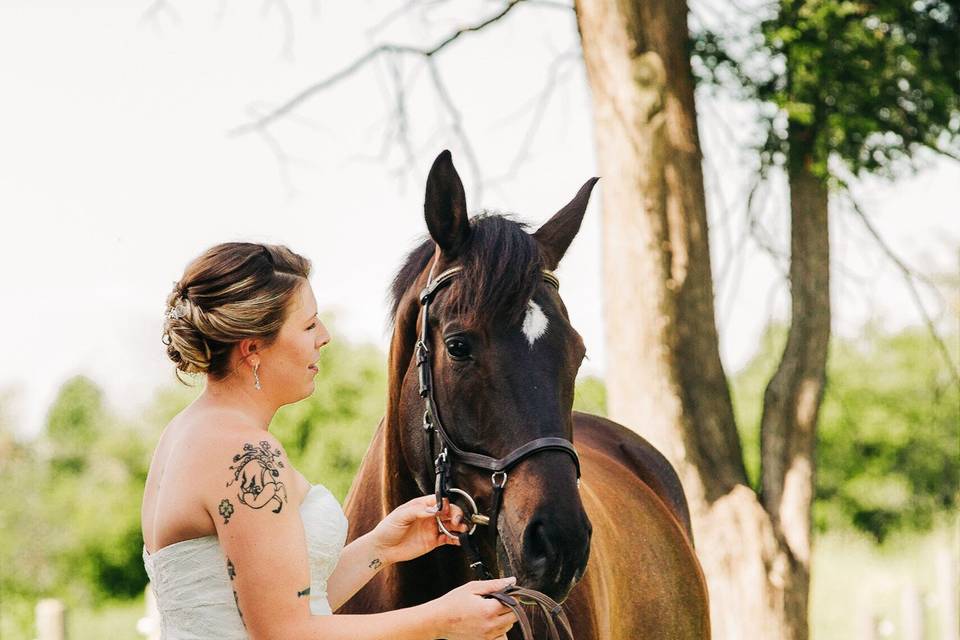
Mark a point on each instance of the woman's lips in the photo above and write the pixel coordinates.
(313, 368)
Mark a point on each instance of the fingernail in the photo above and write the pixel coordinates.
(512, 580)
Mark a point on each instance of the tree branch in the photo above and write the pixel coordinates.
(909, 277)
(360, 62)
(539, 108)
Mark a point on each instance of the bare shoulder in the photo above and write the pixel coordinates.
(229, 464)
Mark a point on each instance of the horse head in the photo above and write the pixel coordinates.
(503, 358)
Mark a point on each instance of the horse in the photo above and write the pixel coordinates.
(603, 528)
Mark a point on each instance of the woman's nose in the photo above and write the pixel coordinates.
(323, 336)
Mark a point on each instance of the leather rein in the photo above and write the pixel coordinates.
(513, 596)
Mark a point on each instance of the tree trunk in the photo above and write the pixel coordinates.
(664, 374)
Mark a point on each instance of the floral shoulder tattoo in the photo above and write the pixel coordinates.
(256, 472)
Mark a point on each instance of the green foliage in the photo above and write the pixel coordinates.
(73, 424)
(327, 434)
(590, 396)
(888, 457)
(868, 83)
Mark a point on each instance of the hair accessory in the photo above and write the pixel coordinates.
(256, 377)
(176, 312)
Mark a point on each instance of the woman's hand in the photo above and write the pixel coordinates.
(411, 530)
(464, 614)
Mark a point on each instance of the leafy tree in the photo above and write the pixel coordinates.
(73, 424)
(887, 457)
(869, 84)
(327, 434)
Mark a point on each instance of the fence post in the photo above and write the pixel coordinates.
(948, 594)
(868, 623)
(51, 619)
(911, 612)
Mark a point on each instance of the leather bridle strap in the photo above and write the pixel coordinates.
(552, 612)
(426, 391)
(442, 465)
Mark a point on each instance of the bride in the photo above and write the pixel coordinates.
(237, 543)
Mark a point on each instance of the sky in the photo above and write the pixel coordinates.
(118, 166)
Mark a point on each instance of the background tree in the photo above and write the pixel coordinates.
(888, 459)
(659, 314)
(847, 89)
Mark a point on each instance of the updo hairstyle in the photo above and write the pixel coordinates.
(233, 291)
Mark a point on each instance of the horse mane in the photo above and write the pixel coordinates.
(501, 267)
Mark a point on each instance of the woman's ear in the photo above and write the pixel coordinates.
(249, 350)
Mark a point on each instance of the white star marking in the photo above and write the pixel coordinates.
(535, 322)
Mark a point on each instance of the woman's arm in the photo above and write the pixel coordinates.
(409, 531)
(266, 552)
(359, 562)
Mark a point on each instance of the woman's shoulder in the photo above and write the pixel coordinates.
(213, 447)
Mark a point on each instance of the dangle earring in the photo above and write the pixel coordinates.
(256, 377)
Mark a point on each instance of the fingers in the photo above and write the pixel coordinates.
(481, 587)
(452, 515)
(443, 538)
(428, 502)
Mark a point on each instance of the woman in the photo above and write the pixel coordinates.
(237, 543)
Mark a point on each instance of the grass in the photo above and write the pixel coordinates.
(116, 620)
(856, 584)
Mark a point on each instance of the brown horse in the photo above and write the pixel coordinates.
(615, 548)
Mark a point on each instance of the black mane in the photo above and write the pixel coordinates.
(501, 267)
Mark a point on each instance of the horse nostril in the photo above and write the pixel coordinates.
(539, 546)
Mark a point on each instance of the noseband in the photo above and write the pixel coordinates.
(451, 454)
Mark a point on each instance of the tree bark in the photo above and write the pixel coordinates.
(791, 402)
(664, 374)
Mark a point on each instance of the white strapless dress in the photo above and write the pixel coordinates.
(192, 588)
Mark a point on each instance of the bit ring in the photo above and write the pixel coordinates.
(473, 507)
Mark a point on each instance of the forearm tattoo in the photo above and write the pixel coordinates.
(257, 470)
(232, 572)
(375, 564)
(305, 592)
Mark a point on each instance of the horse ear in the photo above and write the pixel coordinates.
(445, 207)
(558, 232)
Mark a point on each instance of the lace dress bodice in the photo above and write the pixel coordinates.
(192, 588)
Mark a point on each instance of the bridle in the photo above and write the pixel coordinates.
(451, 454)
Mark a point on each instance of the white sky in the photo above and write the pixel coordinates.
(116, 169)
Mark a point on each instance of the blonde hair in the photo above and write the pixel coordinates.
(233, 291)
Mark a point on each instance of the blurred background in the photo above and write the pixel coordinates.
(133, 139)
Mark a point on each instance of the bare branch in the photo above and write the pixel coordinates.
(158, 10)
(910, 276)
(391, 17)
(539, 108)
(286, 16)
(284, 161)
(948, 154)
(457, 126)
(400, 111)
(360, 62)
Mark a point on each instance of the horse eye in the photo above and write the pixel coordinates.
(458, 348)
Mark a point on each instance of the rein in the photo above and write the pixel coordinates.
(451, 454)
